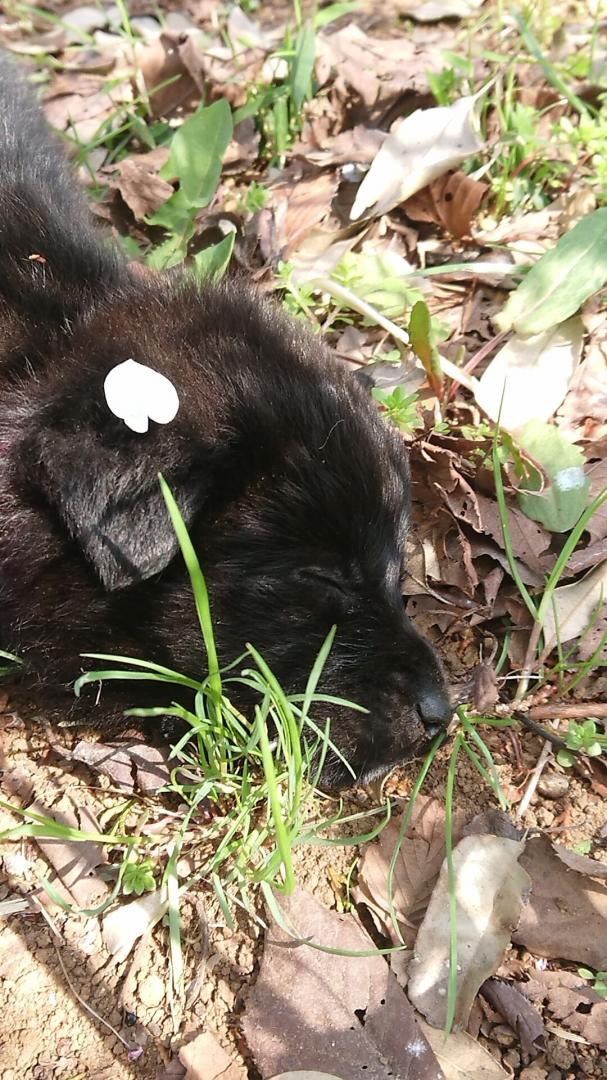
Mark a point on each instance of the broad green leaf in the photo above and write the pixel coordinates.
(213, 261)
(559, 283)
(421, 338)
(197, 152)
(175, 215)
(565, 496)
(303, 65)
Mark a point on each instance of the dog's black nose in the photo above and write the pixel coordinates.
(435, 710)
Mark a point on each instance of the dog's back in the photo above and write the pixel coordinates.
(51, 260)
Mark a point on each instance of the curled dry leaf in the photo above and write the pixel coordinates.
(518, 1012)
(581, 863)
(122, 926)
(344, 1015)
(139, 184)
(450, 201)
(565, 914)
(489, 887)
(584, 412)
(529, 377)
(172, 69)
(419, 149)
(359, 144)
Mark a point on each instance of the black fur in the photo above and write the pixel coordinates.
(294, 489)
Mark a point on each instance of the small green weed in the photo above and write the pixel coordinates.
(400, 408)
(583, 738)
(138, 876)
(597, 979)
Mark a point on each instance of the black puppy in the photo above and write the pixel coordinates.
(294, 490)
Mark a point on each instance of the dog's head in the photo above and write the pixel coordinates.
(295, 492)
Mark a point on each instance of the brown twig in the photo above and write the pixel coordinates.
(581, 711)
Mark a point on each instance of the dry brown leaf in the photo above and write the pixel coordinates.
(517, 1012)
(134, 766)
(123, 925)
(572, 1001)
(574, 607)
(583, 414)
(597, 474)
(450, 201)
(75, 861)
(489, 886)
(139, 184)
(322, 1011)
(460, 1056)
(172, 69)
(417, 867)
(581, 863)
(205, 1059)
(373, 71)
(299, 203)
(565, 915)
(359, 145)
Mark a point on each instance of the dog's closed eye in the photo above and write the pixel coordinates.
(330, 580)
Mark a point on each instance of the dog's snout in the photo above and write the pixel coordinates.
(435, 710)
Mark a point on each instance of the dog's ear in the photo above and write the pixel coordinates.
(109, 500)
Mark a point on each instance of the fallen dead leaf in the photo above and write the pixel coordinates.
(205, 1059)
(339, 1014)
(583, 414)
(417, 867)
(435, 10)
(359, 144)
(139, 184)
(565, 914)
(581, 863)
(573, 606)
(529, 377)
(419, 149)
(489, 887)
(134, 766)
(460, 1056)
(75, 861)
(373, 71)
(450, 201)
(518, 1013)
(123, 925)
(172, 70)
(299, 203)
(572, 1001)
